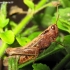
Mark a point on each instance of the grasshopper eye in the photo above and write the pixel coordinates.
(53, 27)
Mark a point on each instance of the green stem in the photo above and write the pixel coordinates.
(22, 24)
(2, 49)
(44, 6)
(63, 62)
(40, 4)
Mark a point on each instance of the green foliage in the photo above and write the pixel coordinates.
(33, 35)
(65, 3)
(29, 3)
(64, 19)
(13, 63)
(30, 30)
(66, 43)
(64, 13)
(22, 40)
(13, 25)
(7, 36)
(40, 4)
(3, 23)
(40, 66)
(66, 40)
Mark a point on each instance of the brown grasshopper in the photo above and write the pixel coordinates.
(32, 49)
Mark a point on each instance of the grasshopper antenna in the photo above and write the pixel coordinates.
(56, 4)
(57, 14)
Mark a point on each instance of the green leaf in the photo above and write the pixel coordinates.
(30, 30)
(13, 24)
(65, 13)
(8, 36)
(44, 20)
(29, 3)
(63, 26)
(64, 20)
(40, 66)
(33, 35)
(22, 40)
(66, 43)
(3, 22)
(65, 3)
(66, 40)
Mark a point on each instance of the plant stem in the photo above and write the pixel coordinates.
(22, 24)
(2, 49)
(62, 63)
(44, 6)
(40, 4)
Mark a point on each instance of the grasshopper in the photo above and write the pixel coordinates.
(33, 49)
